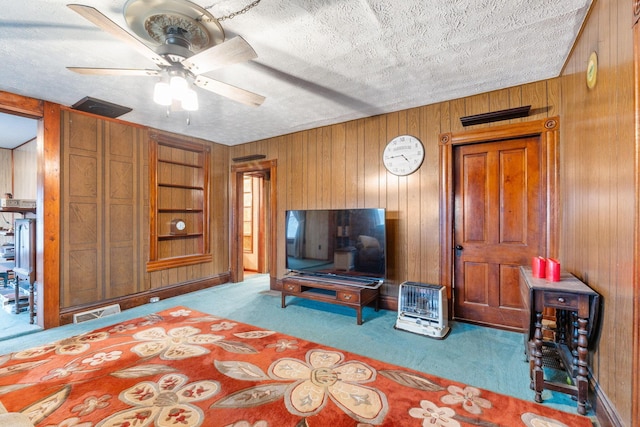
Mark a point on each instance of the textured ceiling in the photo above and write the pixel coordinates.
(319, 62)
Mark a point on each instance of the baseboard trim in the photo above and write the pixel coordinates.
(605, 411)
(141, 298)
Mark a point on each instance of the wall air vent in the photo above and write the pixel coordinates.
(496, 116)
(96, 313)
(249, 158)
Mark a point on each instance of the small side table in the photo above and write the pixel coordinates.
(577, 309)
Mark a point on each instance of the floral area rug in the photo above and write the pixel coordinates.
(183, 368)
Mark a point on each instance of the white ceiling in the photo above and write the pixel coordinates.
(319, 62)
(16, 130)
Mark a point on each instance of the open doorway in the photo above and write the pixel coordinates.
(254, 223)
(253, 249)
(18, 191)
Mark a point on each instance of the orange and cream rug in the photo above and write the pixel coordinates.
(183, 368)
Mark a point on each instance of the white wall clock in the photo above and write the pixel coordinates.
(403, 155)
(178, 226)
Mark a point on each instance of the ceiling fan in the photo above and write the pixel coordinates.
(188, 42)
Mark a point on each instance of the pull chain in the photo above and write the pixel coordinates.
(233, 14)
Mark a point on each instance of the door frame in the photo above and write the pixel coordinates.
(235, 236)
(547, 131)
(47, 201)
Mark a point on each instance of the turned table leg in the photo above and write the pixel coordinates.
(32, 302)
(17, 308)
(538, 373)
(582, 381)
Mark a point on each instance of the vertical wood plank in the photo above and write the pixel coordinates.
(393, 211)
(338, 166)
(371, 162)
(429, 218)
(499, 100)
(414, 197)
(351, 159)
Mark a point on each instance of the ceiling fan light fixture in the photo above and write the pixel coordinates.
(162, 94)
(179, 86)
(190, 100)
(190, 41)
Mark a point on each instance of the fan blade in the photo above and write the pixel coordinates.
(93, 15)
(114, 71)
(231, 92)
(228, 53)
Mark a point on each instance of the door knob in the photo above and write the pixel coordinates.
(458, 249)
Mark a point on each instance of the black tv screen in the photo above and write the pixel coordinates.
(337, 241)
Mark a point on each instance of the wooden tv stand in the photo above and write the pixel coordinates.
(355, 293)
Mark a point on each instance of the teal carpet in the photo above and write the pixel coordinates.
(483, 357)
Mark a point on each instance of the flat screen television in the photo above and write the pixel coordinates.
(337, 241)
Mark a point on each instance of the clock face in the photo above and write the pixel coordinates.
(178, 226)
(403, 155)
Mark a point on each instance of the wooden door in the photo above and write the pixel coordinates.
(253, 252)
(498, 226)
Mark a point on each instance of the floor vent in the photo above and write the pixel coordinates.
(96, 313)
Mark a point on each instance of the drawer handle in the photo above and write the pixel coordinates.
(347, 297)
(562, 300)
(290, 287)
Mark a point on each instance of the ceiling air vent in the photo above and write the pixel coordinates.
(99, 107)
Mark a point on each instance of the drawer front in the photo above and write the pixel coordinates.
(561, 300)
(291, 287)
(345, 296)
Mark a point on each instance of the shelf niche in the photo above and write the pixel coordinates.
(178, 189)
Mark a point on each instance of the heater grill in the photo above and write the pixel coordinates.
(96, 313)
(422, 309)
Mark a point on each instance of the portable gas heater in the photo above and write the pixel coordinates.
(422, 309)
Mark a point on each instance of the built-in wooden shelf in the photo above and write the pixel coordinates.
(178, 236)
(176, 210)
(18, 210)
(178, 190)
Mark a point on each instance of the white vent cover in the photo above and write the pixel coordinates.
(422, 309)
(96, 313)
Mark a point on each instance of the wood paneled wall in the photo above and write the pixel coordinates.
(102, 215)
(598, 176)
(105, 215)
(340, 166)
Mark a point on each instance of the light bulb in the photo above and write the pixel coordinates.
(179, 86)
(162, 94)
(190, 100)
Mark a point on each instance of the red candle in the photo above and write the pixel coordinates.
(553, 270)
(538, 267)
